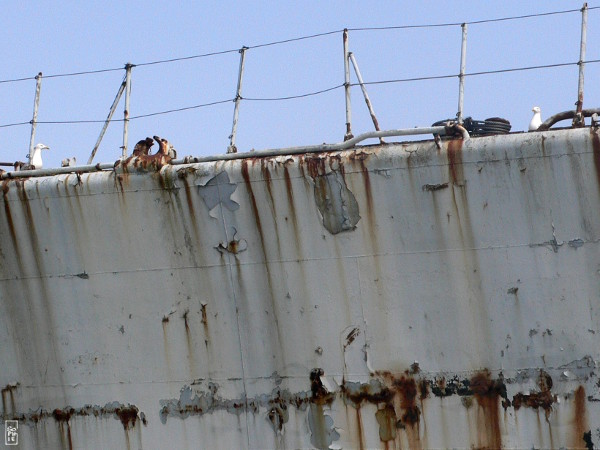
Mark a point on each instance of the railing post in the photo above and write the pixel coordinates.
(36, 105)
(128, 68)
(348, 134)
(579, 119)
(108, 119)
(366, 96)
(461, 76)
(238, 97)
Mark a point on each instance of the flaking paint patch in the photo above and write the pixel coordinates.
(336, 203)
(387, 421)
(278, 416)
(322, 431)
(197, 403)
(218, 190)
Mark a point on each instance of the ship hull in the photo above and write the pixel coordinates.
(389, 296)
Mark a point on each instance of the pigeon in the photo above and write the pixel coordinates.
(536, 120)
(164, 146)
(143, 147)
(69, 162)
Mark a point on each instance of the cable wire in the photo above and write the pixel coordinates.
(141, 116)
(473, 22)
(14, 124)
(291, 97)
(309, 94)
(311, 36)
(301, 38)
(185, 58)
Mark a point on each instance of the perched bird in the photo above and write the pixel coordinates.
(536, 120)
(35, 158)
(69, 162)
(143, 147)
(164, 147)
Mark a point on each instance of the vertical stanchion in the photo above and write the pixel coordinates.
(348, 134)
(238, 97)
(36, 105)
(364, 91)
(108, 119)
(578, 119)
(128, 67)
(461, 76)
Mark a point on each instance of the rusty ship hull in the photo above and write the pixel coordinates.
(405, 295)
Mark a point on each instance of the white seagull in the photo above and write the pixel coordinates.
(536, 120)
(35, 158)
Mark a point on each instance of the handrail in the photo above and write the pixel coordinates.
(564, 116)
(438, 130)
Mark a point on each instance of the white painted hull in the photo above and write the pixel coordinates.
(438, 291)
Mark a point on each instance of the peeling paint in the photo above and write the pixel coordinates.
(218, 190)
(194, 403)
(323, 433)
(542, 399)
(336, 203)
(576, 243)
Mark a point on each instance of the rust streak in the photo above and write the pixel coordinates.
(487, 393)
(128, 416)
(320, 394)
(407, 387)
(580, 419)
(204, 321)
(8, 397)
(542, 399)
(246, 176)
(455, 161)
(596, 148)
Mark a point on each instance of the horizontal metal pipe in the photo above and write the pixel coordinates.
(564, 116)
(439, 130)
(56, 171)
(318, 148)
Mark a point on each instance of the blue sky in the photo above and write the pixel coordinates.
(72, 36)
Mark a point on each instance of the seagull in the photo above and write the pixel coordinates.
(35, 158)
(536, 120)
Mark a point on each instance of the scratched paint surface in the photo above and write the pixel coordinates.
(386, 297)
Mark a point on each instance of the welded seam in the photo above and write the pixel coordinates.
(545, 244)
(362, 311)
(426, 374)
(237, 315)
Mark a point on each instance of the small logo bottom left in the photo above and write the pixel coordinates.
(11, 432)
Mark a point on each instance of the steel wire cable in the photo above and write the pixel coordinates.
(300, 38)
(309, 94)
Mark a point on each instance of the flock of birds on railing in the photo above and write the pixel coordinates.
(141, 151)
(166, 152)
